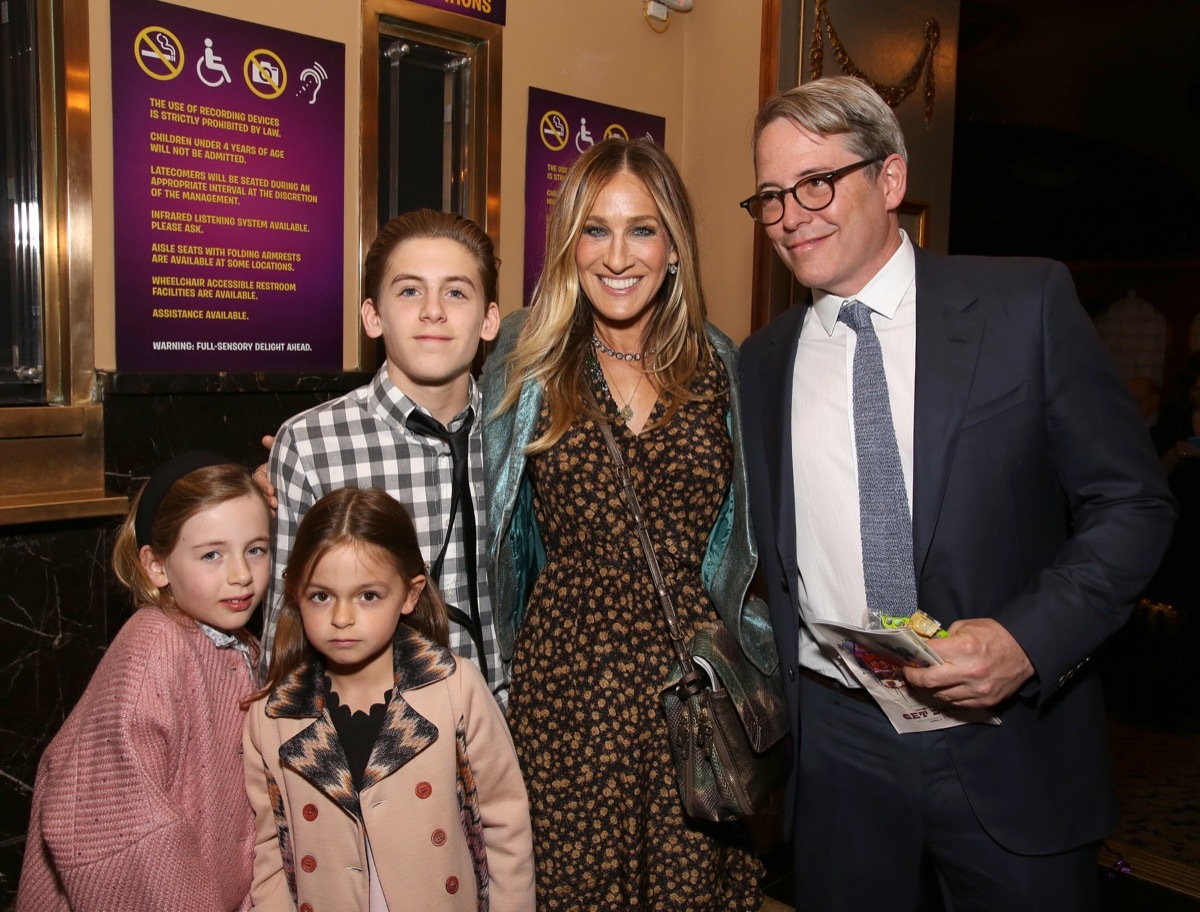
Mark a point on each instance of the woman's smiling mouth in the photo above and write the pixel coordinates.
(619, 284)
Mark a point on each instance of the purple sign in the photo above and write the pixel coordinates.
(487, 10)
(228, 181)
(561, 128)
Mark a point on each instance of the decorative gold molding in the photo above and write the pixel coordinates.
(53, 455)
(893, 94)
(914, 219)
(53, 465)
(1131, 861)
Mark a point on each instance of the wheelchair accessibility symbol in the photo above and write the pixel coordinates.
(583, 139)
(209, 67)
(265, 73)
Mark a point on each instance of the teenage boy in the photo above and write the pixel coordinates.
(415, 429)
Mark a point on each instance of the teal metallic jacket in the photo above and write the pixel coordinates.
(516, 554)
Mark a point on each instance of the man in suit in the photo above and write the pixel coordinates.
(1024, 487)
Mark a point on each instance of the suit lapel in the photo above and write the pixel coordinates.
(777, 434)
(949, 333)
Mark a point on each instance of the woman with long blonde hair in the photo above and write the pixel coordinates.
(617, 335)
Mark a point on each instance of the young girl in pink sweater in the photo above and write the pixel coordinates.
(139, 803)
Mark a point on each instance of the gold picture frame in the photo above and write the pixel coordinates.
(914, 219)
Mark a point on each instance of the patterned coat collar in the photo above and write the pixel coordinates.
(315, 752)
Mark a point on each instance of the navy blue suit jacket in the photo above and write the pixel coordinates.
(1037, 501)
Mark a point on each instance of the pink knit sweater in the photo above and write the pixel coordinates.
(140, 804)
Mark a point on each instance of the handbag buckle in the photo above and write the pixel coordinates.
(702, 731)
(693, 683)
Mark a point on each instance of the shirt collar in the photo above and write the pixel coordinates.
(882, 294)
(391, 400)
(223, 640)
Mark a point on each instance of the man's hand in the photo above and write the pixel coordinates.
(263, 479)
(984, 665)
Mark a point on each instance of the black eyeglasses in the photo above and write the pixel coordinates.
(813, 193)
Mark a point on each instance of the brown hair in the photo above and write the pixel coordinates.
(195, 492)
(366, 517)
(557, 337)
(430, 224)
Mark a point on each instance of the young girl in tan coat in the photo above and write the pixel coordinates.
(380, 769)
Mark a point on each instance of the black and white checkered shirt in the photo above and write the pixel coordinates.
(361, 441)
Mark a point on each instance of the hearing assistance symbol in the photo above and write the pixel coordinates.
(554, 131)
(209, 67)
(265, 73)
(158, 52)
(311, 79)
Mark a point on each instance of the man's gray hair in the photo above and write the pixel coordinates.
(838, 106)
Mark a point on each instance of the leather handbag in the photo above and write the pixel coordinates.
(726, 735)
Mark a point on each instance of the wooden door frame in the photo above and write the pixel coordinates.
(779, 70)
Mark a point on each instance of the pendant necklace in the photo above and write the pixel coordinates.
(625, 412)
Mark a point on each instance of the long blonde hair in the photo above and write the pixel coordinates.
(556, 340)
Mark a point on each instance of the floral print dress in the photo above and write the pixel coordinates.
(592, 655)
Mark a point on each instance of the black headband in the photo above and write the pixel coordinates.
(161, 482)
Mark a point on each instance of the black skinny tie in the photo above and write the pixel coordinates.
(460, 455)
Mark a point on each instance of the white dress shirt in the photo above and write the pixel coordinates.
(824, 463)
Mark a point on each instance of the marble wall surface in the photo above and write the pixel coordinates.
(59, 613)
(61, 606)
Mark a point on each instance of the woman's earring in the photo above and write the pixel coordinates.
(672, 268)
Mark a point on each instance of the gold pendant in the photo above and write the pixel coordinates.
(625, 412)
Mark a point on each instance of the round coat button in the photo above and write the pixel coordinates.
(310, 812)
(451, 884)
(305, 907)
(424, 790)
(439, 837)
(308, 863)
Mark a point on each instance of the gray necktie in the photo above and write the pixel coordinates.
(884, 520)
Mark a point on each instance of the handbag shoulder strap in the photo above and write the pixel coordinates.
(692, 679)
